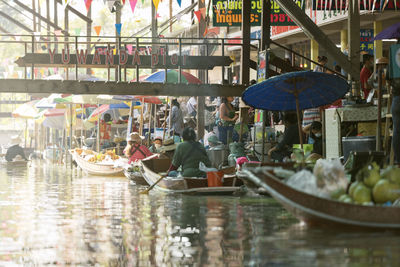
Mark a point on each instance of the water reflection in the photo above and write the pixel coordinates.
(52, 215)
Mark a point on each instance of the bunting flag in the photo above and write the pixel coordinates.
(88, 3)
(133, 4)
(118, 27)
(65, 3)
(97, 29)
(130, 49)
(123, 2)
(198, 15)
(77, 31)
(203, 12)
(156, 2)
(58, 34)
(205, 32)
(179, 2)
(142, 2)
(158, 16)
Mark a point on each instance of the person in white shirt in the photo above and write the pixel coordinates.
(192, 106)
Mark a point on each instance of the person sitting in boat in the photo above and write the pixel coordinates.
(316, 135)
(168, 149)
(135, 150)
(156, 146)
(291, 136)
(188, 155)
(15, 150)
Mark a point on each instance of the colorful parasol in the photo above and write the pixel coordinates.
(172, 76)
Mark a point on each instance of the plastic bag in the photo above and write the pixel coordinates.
(203, 168)
(330, 175)
(304, 181)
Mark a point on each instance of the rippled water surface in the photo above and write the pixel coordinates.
(52, 215)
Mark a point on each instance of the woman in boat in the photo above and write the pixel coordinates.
(15, 149)
(291, 136)
(157, 144)
(188, 155)
(227, 120)
(135, 150)
(316, 135)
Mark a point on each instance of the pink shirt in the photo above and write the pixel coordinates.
(139, 152)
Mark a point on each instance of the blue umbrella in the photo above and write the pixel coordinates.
(391, 32)
(296, 91)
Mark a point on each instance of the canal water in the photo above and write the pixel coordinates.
(51, 215)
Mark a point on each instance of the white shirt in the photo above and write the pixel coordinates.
(191, 105)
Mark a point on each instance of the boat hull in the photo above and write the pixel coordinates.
(315, 210)
(150, 170)
(96, 169)
(136, 177)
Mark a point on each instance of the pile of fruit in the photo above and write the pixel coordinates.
(108, 156)
(373, 186)
(81, 151)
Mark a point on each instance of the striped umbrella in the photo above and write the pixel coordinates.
(172, 76)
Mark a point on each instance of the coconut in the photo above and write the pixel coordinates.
(392, 174)
(362, 194)
(385, 191)
(372, 176)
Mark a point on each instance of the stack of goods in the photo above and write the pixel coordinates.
(374, 186)
(108, 157)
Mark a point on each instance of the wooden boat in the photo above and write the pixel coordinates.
(135, 176)
(14, 164)
(190, 185)
(96, 168)
(315, 210)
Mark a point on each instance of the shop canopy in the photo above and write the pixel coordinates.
(27, 111)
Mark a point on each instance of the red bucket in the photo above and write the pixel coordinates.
(214, 179)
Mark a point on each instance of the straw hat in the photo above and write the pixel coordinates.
(168, 145)
(382, 61)
(135, 137)
(15, 140)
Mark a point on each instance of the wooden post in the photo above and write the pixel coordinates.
(165, 119)
(89, 35)
(141, 117)
(150, 111)
(379, 119)
(201, 75)
(265, 43)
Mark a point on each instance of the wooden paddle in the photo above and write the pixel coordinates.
(153, 185)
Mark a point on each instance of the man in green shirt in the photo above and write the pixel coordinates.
(188, 155)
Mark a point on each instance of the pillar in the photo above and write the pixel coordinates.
(314, 52)
(378, 47)
(353, 24)
(343, 40)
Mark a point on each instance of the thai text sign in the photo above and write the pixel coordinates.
(366, 43)
(229, 13)
(377, 5)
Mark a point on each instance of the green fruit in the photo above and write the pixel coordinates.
(337, 193)
(352, 187)
(385, 191)
(362, 194)
(343, 197)
(348, 200)
(373, 176)
(392, 174)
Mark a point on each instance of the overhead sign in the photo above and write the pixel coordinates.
(366, 42)
(111, 58)
(376, 5)
(229, 13)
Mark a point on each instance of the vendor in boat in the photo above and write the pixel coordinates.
(157, 144)
(135, 150)
(168, 149)
(291, 136)
(15, 150)
(316, 135)
(188, 155)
